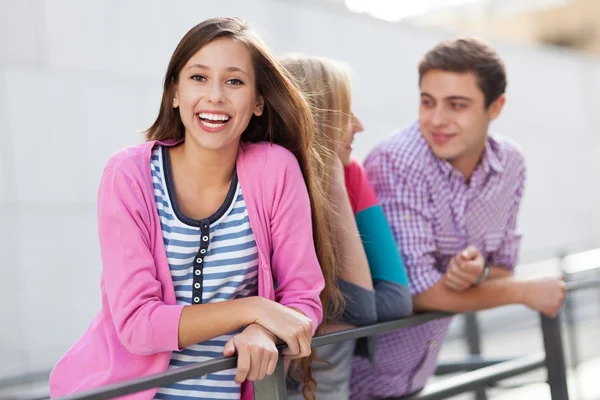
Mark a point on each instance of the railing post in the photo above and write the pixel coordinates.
(474, 344)
(555, 358)
(569, 308)
(272, 387)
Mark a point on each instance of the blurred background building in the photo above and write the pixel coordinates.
(80, 79)
(572, 24)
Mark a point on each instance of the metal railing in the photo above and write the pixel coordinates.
(273, 387)
(572, 267)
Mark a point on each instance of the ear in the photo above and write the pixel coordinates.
(176, 99)
(173, 90)
(260, 106)
(496, 107)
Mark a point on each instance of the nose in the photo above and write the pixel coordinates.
(215, 93)
(357, 125)
(439, 117)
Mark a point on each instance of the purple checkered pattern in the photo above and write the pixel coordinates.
(434, 214)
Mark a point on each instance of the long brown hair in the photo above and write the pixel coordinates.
(287, 121)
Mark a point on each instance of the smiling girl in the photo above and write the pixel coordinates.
(209, 242)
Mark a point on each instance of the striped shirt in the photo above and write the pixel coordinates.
(211, 260)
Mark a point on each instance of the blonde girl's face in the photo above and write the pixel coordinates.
(345, 146)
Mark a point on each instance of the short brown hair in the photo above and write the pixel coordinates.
(468, 55)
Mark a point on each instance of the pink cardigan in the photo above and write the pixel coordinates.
(137, 328)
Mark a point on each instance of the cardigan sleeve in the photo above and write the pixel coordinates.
(144, 323)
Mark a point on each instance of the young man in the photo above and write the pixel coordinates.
(451, 194)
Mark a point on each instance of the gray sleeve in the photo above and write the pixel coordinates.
(359, 309)
(393, 301)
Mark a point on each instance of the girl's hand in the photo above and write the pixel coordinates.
(289, 325)
(257, 354)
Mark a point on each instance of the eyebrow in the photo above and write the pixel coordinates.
(229, 69)
(463, 98)
(450, 98)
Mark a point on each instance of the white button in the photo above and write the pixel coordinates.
(197, 285)
(196, 299)
(202, 251)
(205, 238)
(199, 260)
(198, 272)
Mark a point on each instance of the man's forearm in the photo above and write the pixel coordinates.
(491, 293)
(497, 271)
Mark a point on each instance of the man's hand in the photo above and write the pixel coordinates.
(464, 269)
(545, 295)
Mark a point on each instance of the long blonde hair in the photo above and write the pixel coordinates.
(287, 120)
(326, 84)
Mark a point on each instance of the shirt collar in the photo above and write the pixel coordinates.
(489, 162)
(169, 142)
(444, 166)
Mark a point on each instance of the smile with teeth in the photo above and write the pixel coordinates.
(211, 120)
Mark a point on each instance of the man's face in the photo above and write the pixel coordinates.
(453, 117)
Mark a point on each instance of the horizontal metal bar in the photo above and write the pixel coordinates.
(8, 381)
(474, 379)
(582, 284)
(383, 327)
(469, 363)
(156, 380)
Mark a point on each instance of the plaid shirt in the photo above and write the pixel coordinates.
(434, 214)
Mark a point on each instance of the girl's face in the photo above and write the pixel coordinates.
(345, 147)
(216, 94)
